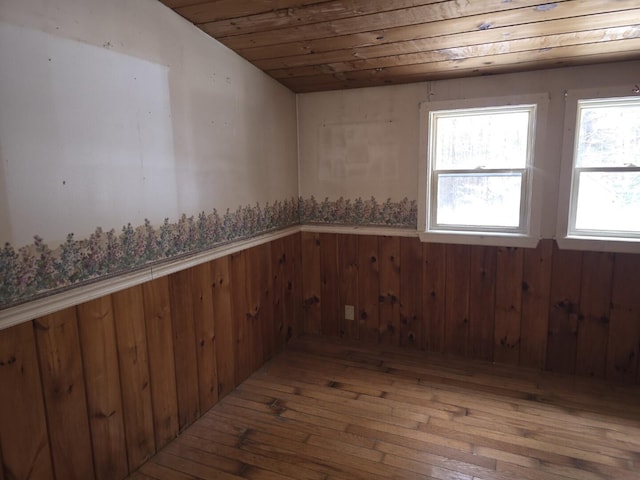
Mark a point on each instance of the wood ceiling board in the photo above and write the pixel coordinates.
(222, 10)
(449, 70)
(335, 10)
(319, 45)
(488, 52)
(441, 20)
(628, 18)
(557, 53)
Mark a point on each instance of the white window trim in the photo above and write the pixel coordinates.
(530, 238)
(564, 239)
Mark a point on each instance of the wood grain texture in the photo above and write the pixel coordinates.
(434, 296)
(411, 292)
(162, 372)
(593, 319)
(536, 286)
(225, 333)
(184, 347)
(482, 301)
(97, 336)
(330, 285)
(518, 306)
(333, 408)
(64, 394)
(563, 310)
(292, 285)
(311, 46)
(204, 329)
(508, 309)
(23, 428)
(623, 348)
(279, 279)
(457, 299)
(348, 275)
(113, 372)
(389, 290)
(128, 314)
(312, 285)
(240, 316)
(260, 311)
(368, 288)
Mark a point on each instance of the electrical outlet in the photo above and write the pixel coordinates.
(349, 312)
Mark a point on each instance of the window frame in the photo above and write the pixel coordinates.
(567, 236)
(527, 234)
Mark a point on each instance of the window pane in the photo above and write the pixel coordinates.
(482, 140)
(609, 135)
(609, 201)
(479, 200)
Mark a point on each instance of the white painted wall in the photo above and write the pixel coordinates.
(116, 111)
(364, 142)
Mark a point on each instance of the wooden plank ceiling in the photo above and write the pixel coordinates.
(311, 45)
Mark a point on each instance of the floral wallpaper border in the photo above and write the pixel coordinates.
(360, 212)
(36, 270)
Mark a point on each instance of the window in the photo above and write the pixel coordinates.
(479, 178)
(601, 184)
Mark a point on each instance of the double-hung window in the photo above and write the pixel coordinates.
(479, 172)
(602, 184)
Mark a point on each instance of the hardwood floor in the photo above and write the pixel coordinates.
(326, 409)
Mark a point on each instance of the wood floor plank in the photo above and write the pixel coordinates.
(335, 409)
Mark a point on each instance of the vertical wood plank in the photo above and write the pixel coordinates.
(205, 335)
(623, 348)
(536, 288)
(312, 280)
(482, 297)
(368, 288)
(131, 339)
(292, 285)
(240, 316)
(184, 347)
(162, 373)
(225, 337)
(64, 394)
(457, 299)
(593, 318)
(348, 274)
(563, 310)
(279, 279)
(330, 286)
(23, 435)
(410, 292)
(258, 277)
(389, 290)
(433, 298)
(102, 380)
(509, 272)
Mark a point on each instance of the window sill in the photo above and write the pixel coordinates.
(480, 238)
(599, 244)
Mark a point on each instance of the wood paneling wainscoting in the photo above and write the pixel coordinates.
(559, 310)
(95, 390)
